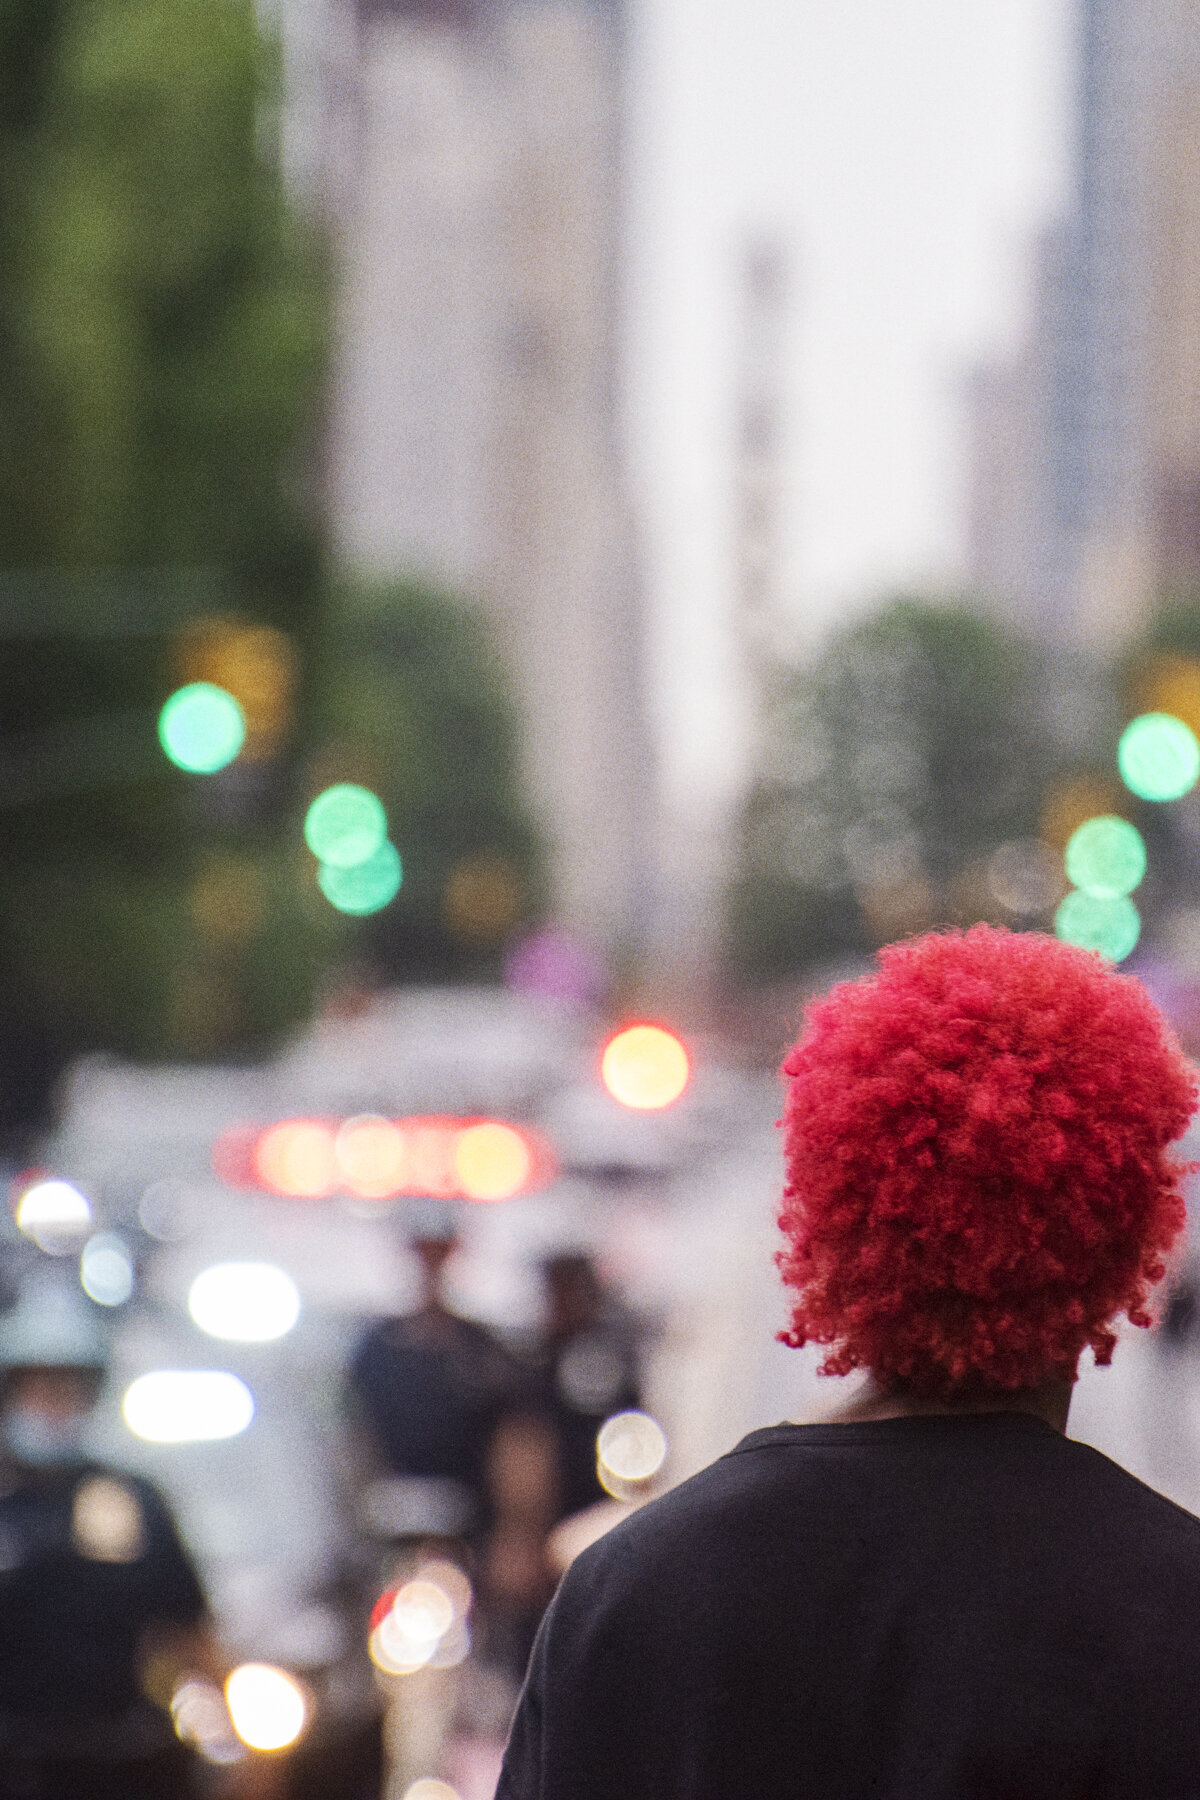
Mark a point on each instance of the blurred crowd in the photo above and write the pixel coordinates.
(469, 1475)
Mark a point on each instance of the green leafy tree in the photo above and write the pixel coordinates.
(162, 326)
(896, 765)
(414, 706)
(162, 330)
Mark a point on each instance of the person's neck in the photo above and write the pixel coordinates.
(1050, 1400)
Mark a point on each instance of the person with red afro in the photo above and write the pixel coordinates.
(933, 1593)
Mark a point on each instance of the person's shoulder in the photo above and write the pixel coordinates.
(1154, 1516)
(669, 1530)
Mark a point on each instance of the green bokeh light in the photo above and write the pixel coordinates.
(1106, 857)
(1159, 757)
(367, 886)
(345, 826)
(1111, 926)
(201, 728)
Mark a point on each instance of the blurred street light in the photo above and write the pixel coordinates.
(244, 1302)
(1110, 925)
(645, 1067)
(187, 1406)
(201, 728)
(55, 1215)
(372, 1158)
(1106, 857)
(106, 1269)
(1159, 757)
(365, 887)
(267, 1706)
(345, 825)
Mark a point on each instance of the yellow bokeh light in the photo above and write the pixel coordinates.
(423, 1609)
(492, 1161)
(1071, 802)
(372, 1157)
(296, 1158)
(410, 1633)
(257, 664)
(1171, 684)
(483, 898)
(452, 1581)
(631, 1448)
(106, 1521)
(645, 1067)
(228, 899)
(266, 1705)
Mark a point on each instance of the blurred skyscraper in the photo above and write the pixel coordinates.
(470, 155)
(1085, 480)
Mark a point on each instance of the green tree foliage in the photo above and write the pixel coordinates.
(911, 750)
(162, 326)
(166, 303)
(414, 708)
(162, 342)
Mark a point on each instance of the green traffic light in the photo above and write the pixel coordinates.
(1106, 857)
(345, 826)
(1110, 925)
(365, 887)
(201, 728)
(1159, 757)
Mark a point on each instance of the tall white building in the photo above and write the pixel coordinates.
(1086, 478)
(471, 160)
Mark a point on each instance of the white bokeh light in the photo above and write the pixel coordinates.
(267, 1707)
(187, 1406)
(55, 1215)
(244, 1302)
(106, 1269)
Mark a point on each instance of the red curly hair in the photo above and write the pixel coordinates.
(978, 1171)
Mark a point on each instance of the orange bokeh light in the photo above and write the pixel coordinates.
(431, 1159)
(296, 1158)
(645, 1067)
(491, 1161)
(372, 1158)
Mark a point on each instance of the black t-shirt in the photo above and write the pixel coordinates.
(968, 1607)
(89, 1560)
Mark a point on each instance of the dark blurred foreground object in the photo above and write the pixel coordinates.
(933, 1594)
(98, 1600)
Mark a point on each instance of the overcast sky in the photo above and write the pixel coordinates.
(908, 152)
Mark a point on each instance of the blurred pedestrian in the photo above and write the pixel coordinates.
(430, 1387)
(587, 1369)
(542, 1465)
(932, 1595)
(99, 1603)
(432, 1390)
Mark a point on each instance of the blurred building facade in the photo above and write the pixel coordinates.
(1085, 465)
(470, 155)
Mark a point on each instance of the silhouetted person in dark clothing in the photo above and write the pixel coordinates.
(94, 1582)
(432, 1386)
(587, 1370)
